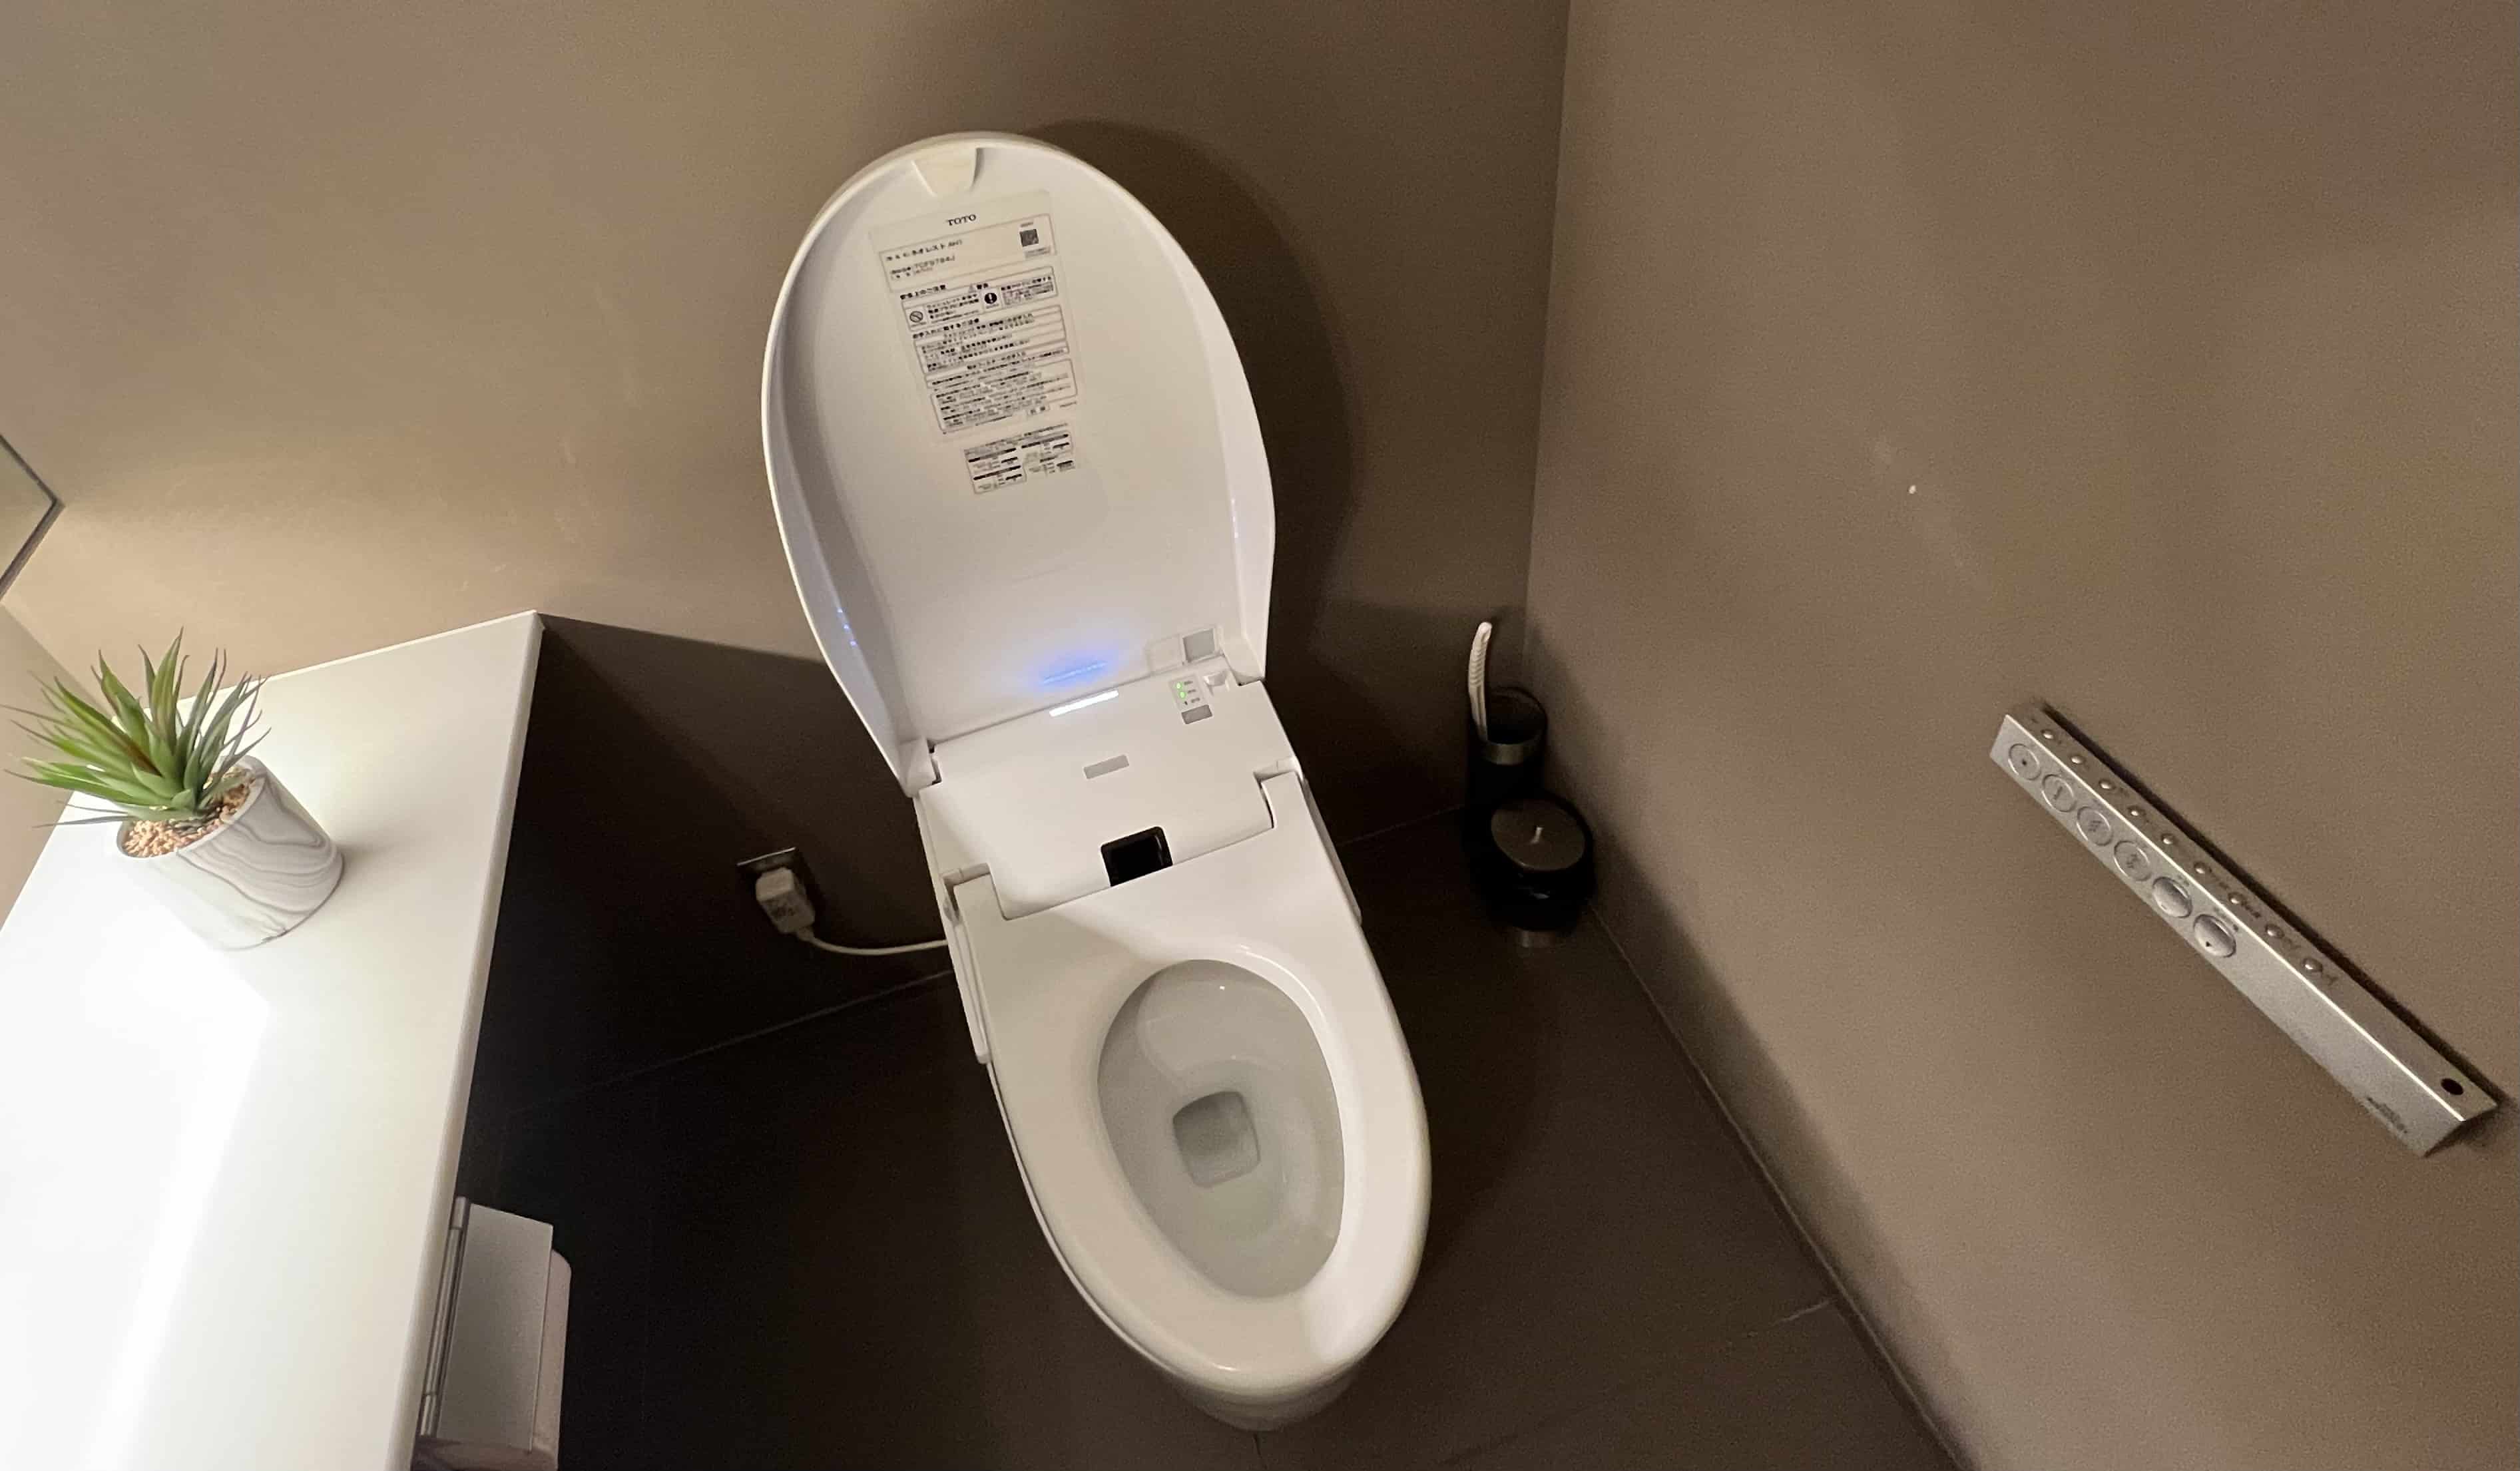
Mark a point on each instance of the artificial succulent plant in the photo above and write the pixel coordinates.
(152, 756)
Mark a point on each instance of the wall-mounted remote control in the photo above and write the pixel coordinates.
(2401, 1079)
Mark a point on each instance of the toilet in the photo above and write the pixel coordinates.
(1024, 495)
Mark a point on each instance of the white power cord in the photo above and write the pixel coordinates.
(819, 943)
(783, 897)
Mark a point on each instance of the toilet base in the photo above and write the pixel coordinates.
(1262, 1415)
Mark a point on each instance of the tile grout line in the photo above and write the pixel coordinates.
(1862, 1322)
(1391, 827)
(1729, 1344)
(515, 1115)
(1601, 1396)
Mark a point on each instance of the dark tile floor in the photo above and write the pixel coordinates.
(810, 1249)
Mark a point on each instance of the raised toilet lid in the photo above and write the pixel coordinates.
(1010, 442)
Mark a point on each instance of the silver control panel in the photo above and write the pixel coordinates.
(2402, 1080)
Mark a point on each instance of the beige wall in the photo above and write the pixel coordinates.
(334, 326)
(26, 811)
(1905, 361)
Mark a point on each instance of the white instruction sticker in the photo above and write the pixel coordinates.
(1032, 454)
(979, 295)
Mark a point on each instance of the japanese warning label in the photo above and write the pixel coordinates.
(1017, 457)
(986, 321)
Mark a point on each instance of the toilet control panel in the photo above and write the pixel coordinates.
(2395, 1074)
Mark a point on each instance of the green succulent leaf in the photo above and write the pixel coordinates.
(161, 678)
(68, 744)
(196, 765)
(124, 704)
(78, 712)
(214, 741)
(134, 718)
(88, 783)
(111, 817)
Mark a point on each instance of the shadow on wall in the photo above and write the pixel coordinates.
(26, 811)
(626, 935)
(1362, 773)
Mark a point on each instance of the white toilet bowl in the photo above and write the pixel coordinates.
(1023, 494)
(1215, 1114)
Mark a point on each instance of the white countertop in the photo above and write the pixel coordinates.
(224, 1177)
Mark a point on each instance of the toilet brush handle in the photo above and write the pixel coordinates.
(1479, 678)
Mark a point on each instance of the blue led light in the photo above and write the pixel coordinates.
(1070, 674)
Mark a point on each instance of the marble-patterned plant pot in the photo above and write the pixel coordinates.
(255, 878)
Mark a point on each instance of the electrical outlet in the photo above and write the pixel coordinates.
(783, 888)
(780, 859)
(772, 862)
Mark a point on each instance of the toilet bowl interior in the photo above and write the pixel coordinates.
(1189, 1064)
(1218, 1103)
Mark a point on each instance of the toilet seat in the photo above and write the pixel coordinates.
(1049, 986)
